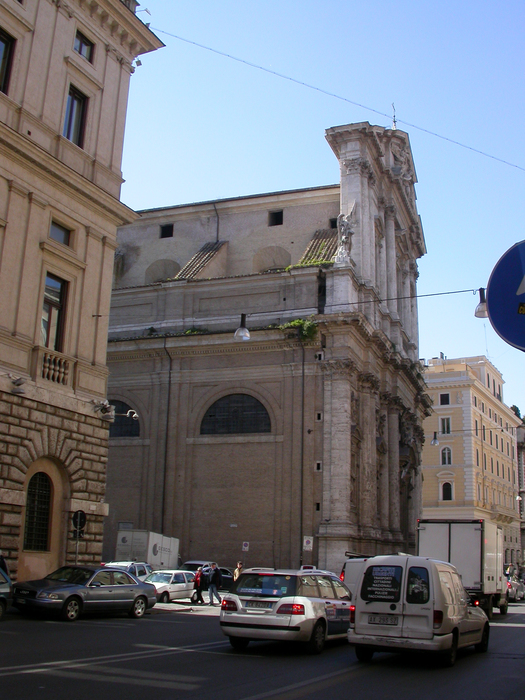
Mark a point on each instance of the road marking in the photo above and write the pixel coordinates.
(128, 678)
(507, 624)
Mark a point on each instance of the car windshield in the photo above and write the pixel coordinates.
(265, 585)
(158, 577)
(68, 574)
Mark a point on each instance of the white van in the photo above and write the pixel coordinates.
(404, 602)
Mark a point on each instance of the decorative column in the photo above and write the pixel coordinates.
(368, 387)
(394, 510)
(391, 260)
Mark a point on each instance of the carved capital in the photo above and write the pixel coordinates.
(339, 367)
(368, 382)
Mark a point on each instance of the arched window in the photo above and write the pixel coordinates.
(236, 413)
(123, 426)
(38, 513)
(447, 491)
(446, 455)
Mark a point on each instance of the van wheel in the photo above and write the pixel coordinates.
(317, 640)
(364, 654)
(482, 647)
(239, 643)
(450, 656)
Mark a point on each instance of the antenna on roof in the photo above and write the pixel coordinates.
(394, 122)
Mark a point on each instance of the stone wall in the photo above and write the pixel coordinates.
(72, 448)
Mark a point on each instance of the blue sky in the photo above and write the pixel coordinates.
(202, 126)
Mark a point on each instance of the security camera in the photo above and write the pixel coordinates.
(132, 414)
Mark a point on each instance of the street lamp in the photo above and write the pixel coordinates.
(242, 333)
(481, 308)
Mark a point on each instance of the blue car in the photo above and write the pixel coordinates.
(73, 590)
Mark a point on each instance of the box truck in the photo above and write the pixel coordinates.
(475, 548)
(141, 545)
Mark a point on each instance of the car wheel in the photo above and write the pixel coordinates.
(71, 610)
(482, 647)
(318, 638)
(2, 608)
(139, 608)
(165, 597)
(363, 653)
(450, 655)
(239, 643)
(194, 597)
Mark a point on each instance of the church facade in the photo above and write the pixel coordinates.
(304, 441)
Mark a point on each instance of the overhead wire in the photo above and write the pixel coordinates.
(337, 97)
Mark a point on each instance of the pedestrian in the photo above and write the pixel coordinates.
(198, 584)
(238, 571)
(215, 583)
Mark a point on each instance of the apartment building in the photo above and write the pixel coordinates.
(65, 69)
(470, 457)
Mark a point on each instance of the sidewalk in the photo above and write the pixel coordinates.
(185, 605)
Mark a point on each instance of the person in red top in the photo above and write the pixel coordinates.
(197, 585)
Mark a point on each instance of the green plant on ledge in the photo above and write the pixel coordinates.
(195, 331)
(306, 327)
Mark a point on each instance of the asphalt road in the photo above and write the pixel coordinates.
(178, 652)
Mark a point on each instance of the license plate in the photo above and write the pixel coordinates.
(20, 600)
(258, 604)
(382, 619)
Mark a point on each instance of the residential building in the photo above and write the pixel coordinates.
(521, 485)
(304, 441)
(64, 76)
(470, 460)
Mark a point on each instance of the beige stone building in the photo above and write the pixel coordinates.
(472, 471)
(304, 441)
(521, 484)
(64, 76)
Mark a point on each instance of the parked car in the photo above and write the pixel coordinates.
(516, 589)
(138, 569)
(408, 603)
(72, 590)
(227, 574)
(286, 605)
(172, 584)
(6, 590)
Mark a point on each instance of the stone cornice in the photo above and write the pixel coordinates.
(338, 367)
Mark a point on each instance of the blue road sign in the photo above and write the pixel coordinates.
(506, 296)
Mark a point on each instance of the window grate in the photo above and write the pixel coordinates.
(236, 413)
(38, 510)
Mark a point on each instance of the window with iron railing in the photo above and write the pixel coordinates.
(38, 512)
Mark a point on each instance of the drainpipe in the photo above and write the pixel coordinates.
(164, 476)
(301, 534)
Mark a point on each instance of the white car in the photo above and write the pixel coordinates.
(308, 606)
(138, 569)
(172, 584)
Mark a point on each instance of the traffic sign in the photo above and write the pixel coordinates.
(506, 296)
(79, 519)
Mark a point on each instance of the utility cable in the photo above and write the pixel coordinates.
(337, 97)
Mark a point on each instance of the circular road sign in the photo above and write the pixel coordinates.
(79, 519)
(506, 296)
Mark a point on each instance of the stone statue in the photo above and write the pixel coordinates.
(345, 231)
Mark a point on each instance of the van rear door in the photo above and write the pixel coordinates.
(418, 609)
(379, 608)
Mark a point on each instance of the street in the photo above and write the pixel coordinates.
(179, 651)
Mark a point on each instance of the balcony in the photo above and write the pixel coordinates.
(52, 366)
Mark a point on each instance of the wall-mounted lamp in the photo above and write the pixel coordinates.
(242, 333)
(434, 440)
(481, 308)
(519, 498)
(106, 410)
(130, 414)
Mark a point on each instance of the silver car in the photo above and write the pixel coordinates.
(172, 584)
(6, 589)
(286, 605)
(72, 590)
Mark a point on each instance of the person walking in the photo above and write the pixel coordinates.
(215, 583)
(198, 584)
(238, 571)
